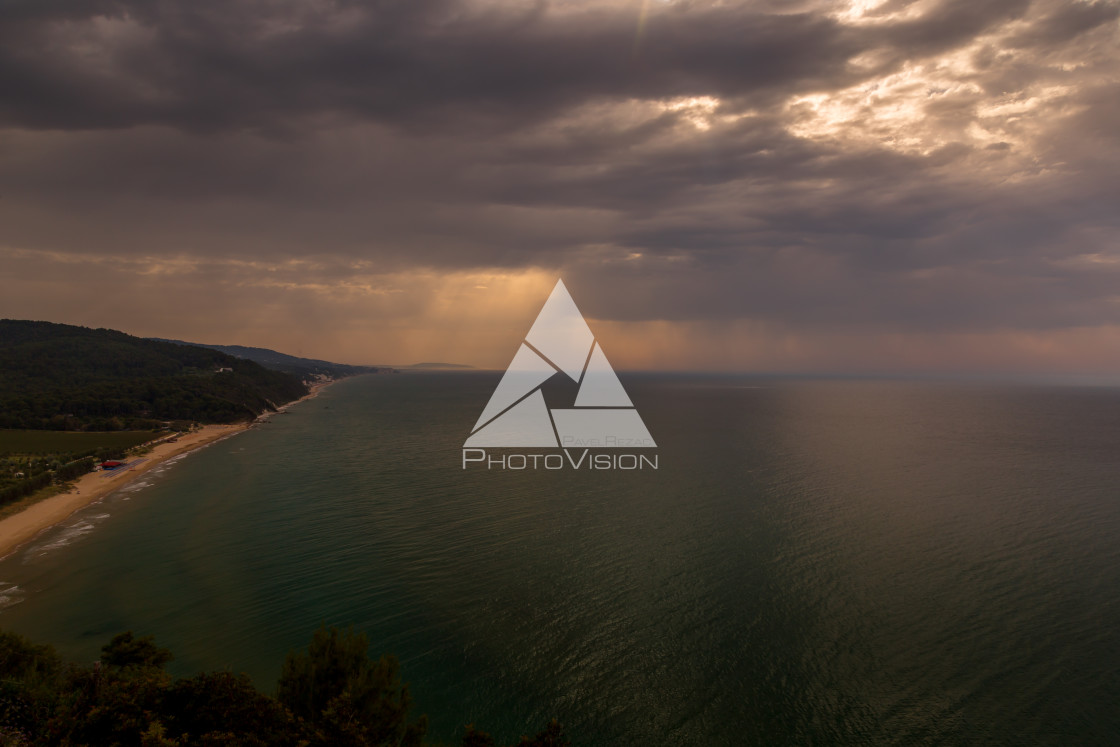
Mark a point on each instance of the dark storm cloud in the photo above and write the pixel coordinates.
(950, 24)
(929, 165)
(1066, 22)
(220, 64)
(217, 64)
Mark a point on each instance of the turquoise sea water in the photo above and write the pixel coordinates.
(815, 562)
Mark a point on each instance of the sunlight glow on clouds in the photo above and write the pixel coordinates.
(697, 110)
(761, 184)
(870, 12)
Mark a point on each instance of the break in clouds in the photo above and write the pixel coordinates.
(940, 167)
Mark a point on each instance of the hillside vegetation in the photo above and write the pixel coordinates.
(62, 377)
(305, 368)
(33, 460)
(333, 694)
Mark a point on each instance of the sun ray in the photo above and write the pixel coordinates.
(639, 33)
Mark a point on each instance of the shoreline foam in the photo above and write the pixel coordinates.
(17, 530)
(20, 529)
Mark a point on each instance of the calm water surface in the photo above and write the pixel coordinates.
(815, 562)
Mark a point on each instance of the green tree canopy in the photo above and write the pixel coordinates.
(125, 650)
(349, 697)
(330, 695)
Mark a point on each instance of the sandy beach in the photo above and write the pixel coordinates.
(24, 526)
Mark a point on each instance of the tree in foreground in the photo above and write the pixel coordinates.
(332, 693)
(551, 736)
(125, 650)
(349, 698)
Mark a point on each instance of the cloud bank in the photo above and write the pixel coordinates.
(771, 184)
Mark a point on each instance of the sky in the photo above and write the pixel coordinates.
(854, 186)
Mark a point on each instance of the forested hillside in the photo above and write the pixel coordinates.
(58, 376)
(305, 368)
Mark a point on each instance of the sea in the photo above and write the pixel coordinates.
(814, 561)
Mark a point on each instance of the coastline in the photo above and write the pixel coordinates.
(19, 529)
(23, 527)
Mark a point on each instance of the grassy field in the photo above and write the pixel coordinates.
(68, 442)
